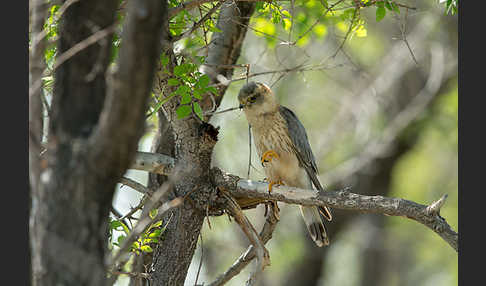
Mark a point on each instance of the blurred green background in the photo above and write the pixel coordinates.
(381, 117)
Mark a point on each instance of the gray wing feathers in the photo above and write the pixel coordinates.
(303, 150)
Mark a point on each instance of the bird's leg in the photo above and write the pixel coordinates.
(275, 207)
(272, 183)
(267, 156)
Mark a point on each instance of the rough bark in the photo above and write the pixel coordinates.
(225, 47)
(163, 144)
(193, 145)
(93, 134)
(36, 67)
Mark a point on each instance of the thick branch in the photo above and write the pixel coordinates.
(129, 92)
(246, 189)
(153, 163)
(225, 47)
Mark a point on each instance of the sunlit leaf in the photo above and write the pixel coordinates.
(380, 13)
(264, 27)
(146, 248)
(320, 30)
(153, 213)
(361, 31)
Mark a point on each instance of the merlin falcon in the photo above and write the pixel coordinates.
(284, 149)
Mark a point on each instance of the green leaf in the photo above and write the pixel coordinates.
(153, 213)
(182, 90)
(114, 224)
(395, 7)
(213, 90)
(157, 224)
(184, 69)
(197, 93)
(203, 81)
(120, 239)
(125, 228)
(183, 111)
(173, 82)
(200, 59)
(276, 18)
(388, 5)
(146, 248)
(135, 245)
(211, 27)
(179, 70)
(380, 13)
(164, 60)
(198, 110)
(348, 14)
(186, 98)
(258, 6)
(155, 233)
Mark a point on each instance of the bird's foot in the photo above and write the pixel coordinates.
(268, 156)
(273, 183)
(275, 208)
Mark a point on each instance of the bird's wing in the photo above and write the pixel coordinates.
(303, 151)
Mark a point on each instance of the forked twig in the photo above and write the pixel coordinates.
(262, 256)
(249, 254)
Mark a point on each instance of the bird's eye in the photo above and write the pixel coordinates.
(253, 98)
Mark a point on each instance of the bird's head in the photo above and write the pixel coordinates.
(256, 98)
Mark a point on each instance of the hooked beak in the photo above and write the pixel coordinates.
(241, 106)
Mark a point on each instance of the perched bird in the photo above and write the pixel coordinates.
(284, 149)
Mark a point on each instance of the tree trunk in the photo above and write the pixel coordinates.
(193, 147)
(93, 133)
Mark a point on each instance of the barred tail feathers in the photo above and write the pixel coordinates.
(315, 226)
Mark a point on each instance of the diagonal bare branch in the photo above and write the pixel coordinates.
(262, 255)
(343, 199)
(249, 254)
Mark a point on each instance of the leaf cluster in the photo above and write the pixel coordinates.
(146, 239)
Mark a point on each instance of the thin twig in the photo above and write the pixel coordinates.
(118, 215)
(200, 260)
(403, 28)
(221, 111)
(137, 208)
(347, 33)
(249, 151)
(135, 185)
(198, 24)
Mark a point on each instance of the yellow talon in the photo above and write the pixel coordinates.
(267, 156)
(270, 185)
